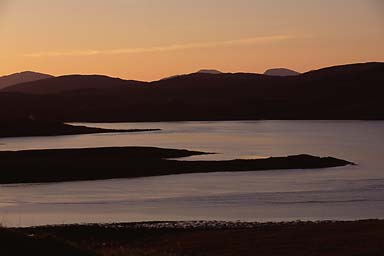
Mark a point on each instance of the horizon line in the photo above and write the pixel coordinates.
(181, 74)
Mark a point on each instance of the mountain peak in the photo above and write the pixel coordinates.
(209, 71)
(71, 83)
(281, 72)
(21, 77)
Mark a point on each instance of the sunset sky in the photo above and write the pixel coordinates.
(151, 39)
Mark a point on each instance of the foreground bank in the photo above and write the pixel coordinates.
(199, 238)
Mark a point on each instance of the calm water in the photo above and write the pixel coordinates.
(353, 192)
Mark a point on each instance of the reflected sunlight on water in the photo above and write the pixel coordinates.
(352, 192)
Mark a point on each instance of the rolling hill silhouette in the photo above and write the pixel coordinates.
(281, 72)
(201, 71)
(209, 71)
(71, 83)
(22, 77)
(342, 92)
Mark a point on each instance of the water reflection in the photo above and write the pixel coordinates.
(352, 192)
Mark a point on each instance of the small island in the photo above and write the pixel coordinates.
(59, 165)
(32, 128)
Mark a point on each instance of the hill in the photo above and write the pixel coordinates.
(342, 92)
(23, 77)
(71, 83)
(281, 72)
(201, 71)
(209, 71)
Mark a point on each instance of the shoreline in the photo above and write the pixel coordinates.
(214, 238)
(181, 225)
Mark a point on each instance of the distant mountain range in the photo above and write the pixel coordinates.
(281, 72)
(29, 82)
(210, 71)
(202, 71)
(71, 83)
(22, 77)
(341, 92)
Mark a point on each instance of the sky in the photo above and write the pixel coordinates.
(152, 39)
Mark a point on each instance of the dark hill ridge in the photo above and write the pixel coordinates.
(202, 71)
(281, 72)
(209, 71)
(72, 83)
(348, 71)
(22, 77)
(341, 92)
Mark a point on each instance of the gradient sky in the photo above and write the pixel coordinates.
(151, 39)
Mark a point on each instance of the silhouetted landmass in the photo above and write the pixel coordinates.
(342, 92)
(209, 71)
(202, 71)
(72, 83)
(281, 72)
(39, 128)
(22, 77)
(212, 238)
(128, 162)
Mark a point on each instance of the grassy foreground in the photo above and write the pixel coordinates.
(37, 166)
(199, 238)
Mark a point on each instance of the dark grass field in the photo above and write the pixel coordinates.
(354, 238)
(20, 244)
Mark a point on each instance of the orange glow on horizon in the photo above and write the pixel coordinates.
(149, 40)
